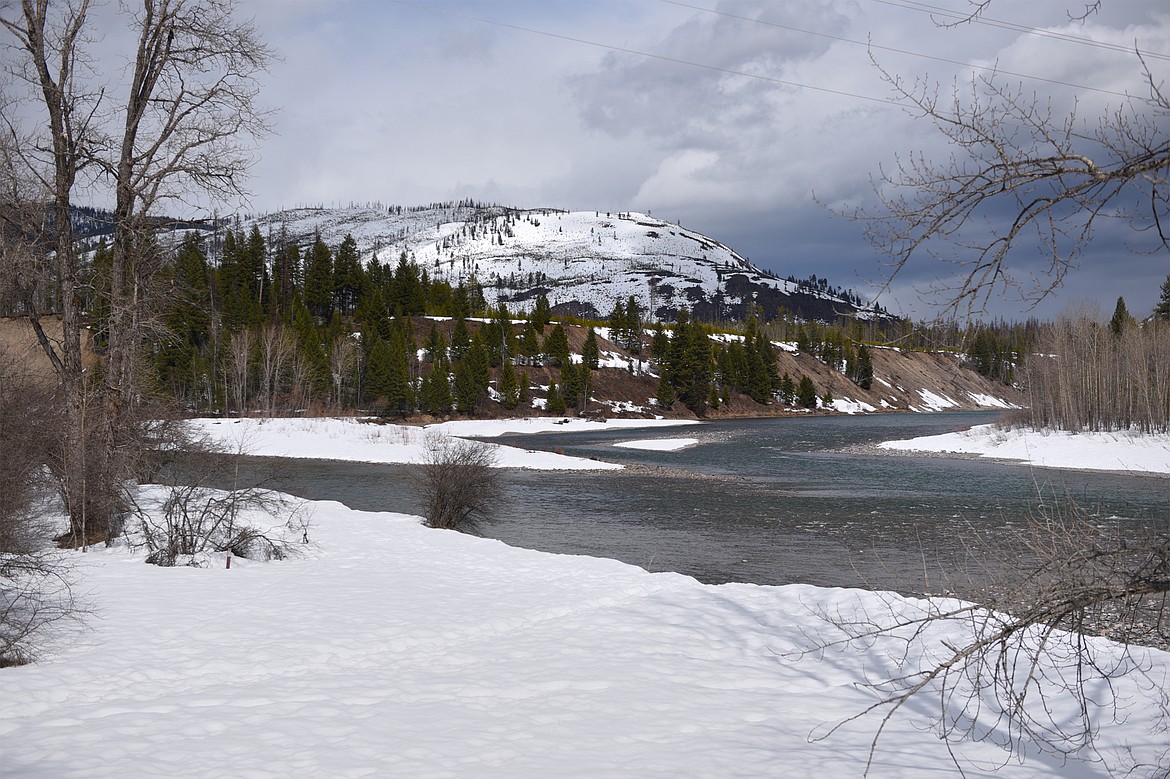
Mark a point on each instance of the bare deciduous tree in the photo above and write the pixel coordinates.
(457, 483)
(184, 127)
(1016, 662)
(35, 591)
(1020, 173)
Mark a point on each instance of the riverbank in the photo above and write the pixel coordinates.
(1121, 451)
(357, 440)
(387, 649)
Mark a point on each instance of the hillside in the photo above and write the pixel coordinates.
(582, 260)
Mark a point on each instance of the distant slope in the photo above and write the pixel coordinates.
(582, 260)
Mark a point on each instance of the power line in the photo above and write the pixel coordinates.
(934, 10)
(663, 58)
(869, 46)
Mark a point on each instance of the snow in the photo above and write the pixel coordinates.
(388, 649)
(934, 401)
(589, 256)
(1117, 451)
(659, 444)
(356, 440)
(849, 406)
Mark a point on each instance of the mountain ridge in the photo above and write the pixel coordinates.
(583, 261)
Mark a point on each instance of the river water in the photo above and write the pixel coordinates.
(769, 501)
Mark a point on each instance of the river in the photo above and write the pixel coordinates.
(769, 501)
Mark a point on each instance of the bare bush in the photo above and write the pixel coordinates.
(457, 483)
(180, 523)
(34, 582)
(1017, 662)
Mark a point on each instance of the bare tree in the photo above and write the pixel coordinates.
(1021, 172)
(1016, 662)
(276, 351)
(185, 125)
(49, 43)
(457, 483)
(35, 592)
(239, 369)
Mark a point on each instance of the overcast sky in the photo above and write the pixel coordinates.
(558, 104)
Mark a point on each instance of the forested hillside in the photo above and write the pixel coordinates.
(272, 329)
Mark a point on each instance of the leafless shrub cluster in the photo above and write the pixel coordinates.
(1018, 662)
(457, 483)
(34, 582)
(1085, 375)
(192, 519)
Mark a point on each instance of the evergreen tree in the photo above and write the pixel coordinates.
(509, 386)
(1162, 310)
(787, 389)
(460, 340)
(541, 313)
(862, 375)
(556, 345)
(377, 374)
(555, 404)
(347, 276)
(660, 343)
(1121, 318)
(806, 393)
(408, 297)
(590, 353)
(665, 394)
(571, 384)
(318, 292)
(529, 346)
(436, 388)
(633, 326)
(522, 390)
(436, 345)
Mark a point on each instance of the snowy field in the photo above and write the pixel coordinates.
(1120, 451)
(355, 440)
(388, 649)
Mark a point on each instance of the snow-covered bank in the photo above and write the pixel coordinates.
(1118, 451)
(350, 439)
(392, 650)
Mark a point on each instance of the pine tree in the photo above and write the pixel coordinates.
(555, 404)
(863, 374)
(347, 276)
(529, 346)
(460, 340)
(590, 353)
(556, 345)
(377, 376)
(806, 393)
(435, 346)
(541, 313)
(318, 292)
(1121, 318)
(436, 388)
(509, 386)
(1162, 310)
(571, 384)
(665, 394)
(787, 389)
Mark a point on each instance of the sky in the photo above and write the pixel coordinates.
(749, 121)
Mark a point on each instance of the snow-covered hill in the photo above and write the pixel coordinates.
(582, 260)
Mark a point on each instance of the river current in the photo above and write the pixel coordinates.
(769, 501)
